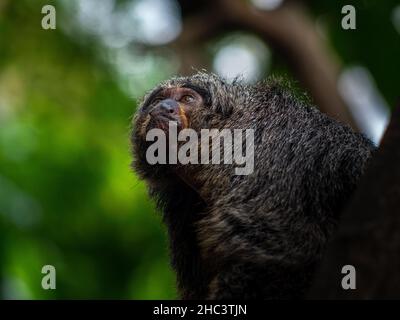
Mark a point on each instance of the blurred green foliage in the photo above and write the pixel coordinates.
(375, 43)
(67, 194)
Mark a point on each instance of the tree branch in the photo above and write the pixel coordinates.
(290, 31)
(368, 237)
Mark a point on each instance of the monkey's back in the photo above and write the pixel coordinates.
(277, 220)
(258, 235)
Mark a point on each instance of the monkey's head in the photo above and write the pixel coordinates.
(201, 101)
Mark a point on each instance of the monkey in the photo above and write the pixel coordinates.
(259, 235)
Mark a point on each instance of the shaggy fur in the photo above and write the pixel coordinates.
(261, 235)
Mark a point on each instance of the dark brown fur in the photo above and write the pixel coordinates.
(260, 235)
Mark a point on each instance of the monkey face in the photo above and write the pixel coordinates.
(200, 101)
(176, 104)
(197, 102)
(169, 104)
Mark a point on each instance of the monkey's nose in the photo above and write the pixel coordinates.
(166, 107)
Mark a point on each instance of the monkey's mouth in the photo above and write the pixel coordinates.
(163, 121)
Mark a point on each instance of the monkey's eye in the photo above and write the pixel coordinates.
(156, 100)
(187, 98)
